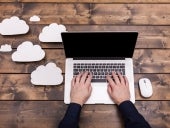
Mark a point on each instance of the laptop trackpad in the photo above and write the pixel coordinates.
(99, 94)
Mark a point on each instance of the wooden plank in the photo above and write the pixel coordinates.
(34, 114)
(150, 110)
(82, 15)
(19, 87)
(130, 14)
(9, 66)
(99, 1)
(149, 36)
(99, 115)
(145, 61)
(151, 61)
(91, 1)
(16, 67)
(10, 9)
(32, 36)
(160, 85)
(49, 113)
(8, 1)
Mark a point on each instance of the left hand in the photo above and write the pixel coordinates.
(81, 88)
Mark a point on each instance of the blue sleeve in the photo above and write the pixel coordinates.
(132, 118)
(71, 118)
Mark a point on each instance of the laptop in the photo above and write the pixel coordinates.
(99, 53)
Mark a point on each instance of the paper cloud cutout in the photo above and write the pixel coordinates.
(13, 26)
(47, 75)
(5, 48)
(52, 33)
(35, 18)
(27, 52)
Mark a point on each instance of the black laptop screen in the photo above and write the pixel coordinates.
(99, 44)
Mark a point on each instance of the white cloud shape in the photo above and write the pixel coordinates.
(27, 52)
(35, 18)
(52, 33)
(47, 75)
(13, 26)
(5, 48)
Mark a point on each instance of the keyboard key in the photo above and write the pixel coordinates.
(98, 80)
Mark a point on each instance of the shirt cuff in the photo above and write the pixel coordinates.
(74, 110)
(71, 118)
(127, 108)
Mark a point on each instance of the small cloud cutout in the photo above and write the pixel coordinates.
(27, 52)
(35, 18)
(47, 75)
(52, 33)
(13, 26)
(5, 48)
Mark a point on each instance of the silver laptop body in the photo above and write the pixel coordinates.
(99, 53)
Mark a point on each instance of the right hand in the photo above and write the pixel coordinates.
(118, 88)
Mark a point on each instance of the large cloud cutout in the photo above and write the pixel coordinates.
(52, 33)
(5, 48)
(13, 26)
(27, 52)
(47, 75)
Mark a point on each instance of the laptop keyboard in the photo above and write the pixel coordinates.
(99, 70)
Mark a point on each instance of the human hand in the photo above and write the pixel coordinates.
(81, 88)
(118, 88)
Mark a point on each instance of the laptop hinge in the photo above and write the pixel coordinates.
(99, 58)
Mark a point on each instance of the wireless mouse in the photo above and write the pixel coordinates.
(145, 87)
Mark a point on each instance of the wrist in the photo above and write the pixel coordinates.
(77, 102)
(123, 102)
(73, 103)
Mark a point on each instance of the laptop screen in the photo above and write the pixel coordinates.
(99, 44)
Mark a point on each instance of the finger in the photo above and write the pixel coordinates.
(126, 81)
(78, 77)
(109, 89)
(121, 78)
(73, 81)
(84, 77)
(116, 79)
(109, 79)
(89, 78)
(90, 89)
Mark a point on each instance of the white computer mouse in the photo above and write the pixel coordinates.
(145, 87)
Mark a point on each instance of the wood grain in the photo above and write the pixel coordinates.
(107, 112)
(19, 87)
(145, 61)
(149, 36)
(99, 1)
(35, 114)
(8, 1)
(130, 14)
(26, 105)
(9, 66)
(49, 113)
(160, 85)
(151, 61)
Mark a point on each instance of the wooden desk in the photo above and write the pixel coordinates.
(24, 105)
